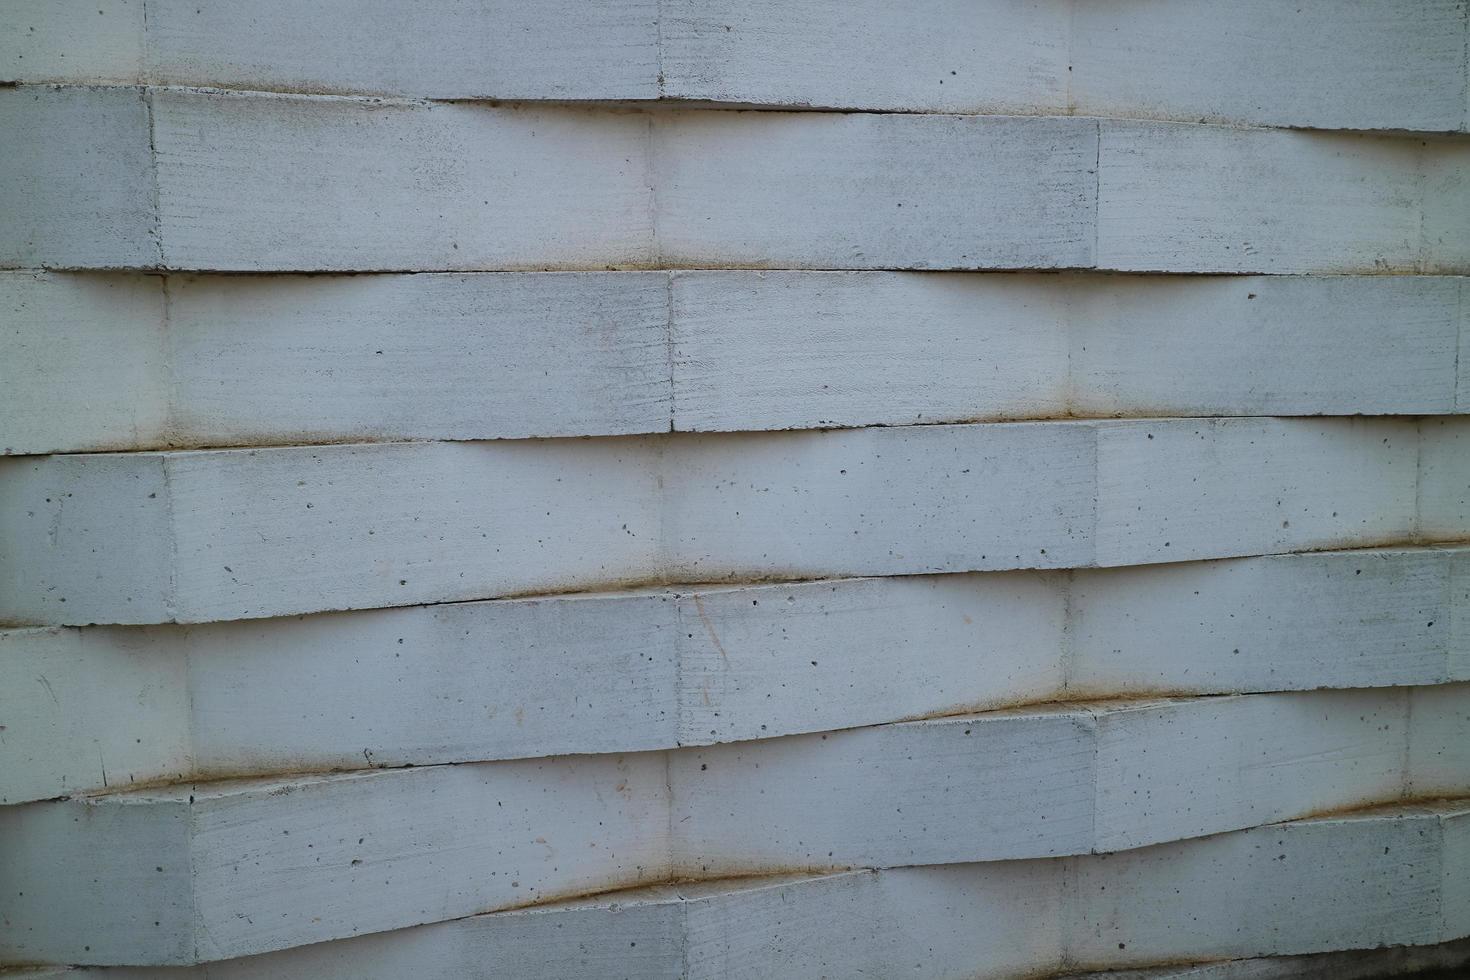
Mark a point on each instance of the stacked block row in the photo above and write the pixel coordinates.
(519, 490)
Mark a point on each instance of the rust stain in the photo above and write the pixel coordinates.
(709, 627)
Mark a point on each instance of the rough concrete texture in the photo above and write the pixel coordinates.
(92, 708)
(502, 489)
(1372, 878)
(188, 179)
(143, 538)
(182, 360)
(1370, 64)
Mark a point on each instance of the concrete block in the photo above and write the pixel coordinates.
(1318, 65)
(1260, 487)
(232, 360)
(185, 179)
(83, 362)
(1184, 769)
(854, 191)
(73, 41)
(1349, 882)
(1262, 345)
(1440, 748)
(328, 359)
(250, 533)
(1357, 964)
(1034, 782)
(788, 350)
(1369, 65)
(77, 179)
(1444, 477)
(91, 710)
(265, 183)
(356, 853)
(1012, 784)
(1375, 877)
(1174, 196)
(1364, 618)
(943, 56)
(482, 49)
(99, 707)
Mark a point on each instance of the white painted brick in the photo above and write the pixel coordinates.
(628, 672)
(1462, 359)
(252, 533)
(452, 683)
(786, 350)
(1376, 65)
(89, 708)
(1446, 202)
(242, 360)
(297, 529)
(943, 921)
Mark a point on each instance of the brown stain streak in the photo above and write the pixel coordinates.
(709, 627)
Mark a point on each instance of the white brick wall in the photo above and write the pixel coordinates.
(522, 490)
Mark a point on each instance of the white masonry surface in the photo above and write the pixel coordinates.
(714, 489)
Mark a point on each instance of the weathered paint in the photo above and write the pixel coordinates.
(1352, 881)
(201, 536)
(182, 361)
(298, 183)
(1366, 65)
